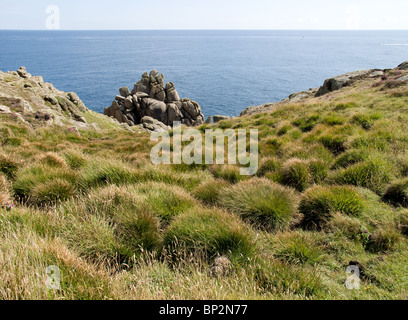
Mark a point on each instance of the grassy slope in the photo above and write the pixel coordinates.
(120, 228)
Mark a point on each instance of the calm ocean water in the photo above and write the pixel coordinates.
(225, 71)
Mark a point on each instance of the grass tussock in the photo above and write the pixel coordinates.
(397, 193)
(209, 191)
(373, 174)
(320, 203)
(209, 233)
(263, 203)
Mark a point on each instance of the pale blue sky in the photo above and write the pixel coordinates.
(208, 14)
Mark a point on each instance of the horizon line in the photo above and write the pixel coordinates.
(204, 30)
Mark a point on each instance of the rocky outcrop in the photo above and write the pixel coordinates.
(267, 107)
(151, 98)
(333, 84)
(30, 100)
(403, 66)
(347, 79)
(151, 124)
(219, 118)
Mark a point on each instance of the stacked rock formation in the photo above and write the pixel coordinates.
(151, 98)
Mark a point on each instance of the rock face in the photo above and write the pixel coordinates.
(151, 98)
(347, 79)
(220, 118)
(403, 66)
(154, 125)
(38, 103)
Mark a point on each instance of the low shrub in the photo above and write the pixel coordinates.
(208, 233)
(397, 193)
(320, 203)
(264, 203)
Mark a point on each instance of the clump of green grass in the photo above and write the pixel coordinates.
(366, 121)
(208, 192)
(298, 248)
(348, 226)
(402, 162)
(188, 181)
(384, 240)
(373, 174)
(229, 173)
(264, 203)
(75, 159)
(296, 174)
(52, 159)
(279, 278)
(42, 184)
(270, 164)
(307, 124)
(345, 106)
(403, 223)
(165, 201)
(103, 172)
(313, 151)
(320, 203)
(284, 129)
(319, 170)
(112, 223)
(335, 143)
(208, 232)
(52, 191)
(397, 193)
(300, 174)
(8, 165)
(349, 158)
(225, 124)
(4, 190)
(334, 120)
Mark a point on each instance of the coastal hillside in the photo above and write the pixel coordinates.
(36, 103)
(78, 191)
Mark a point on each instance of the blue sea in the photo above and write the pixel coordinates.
(224, 71)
